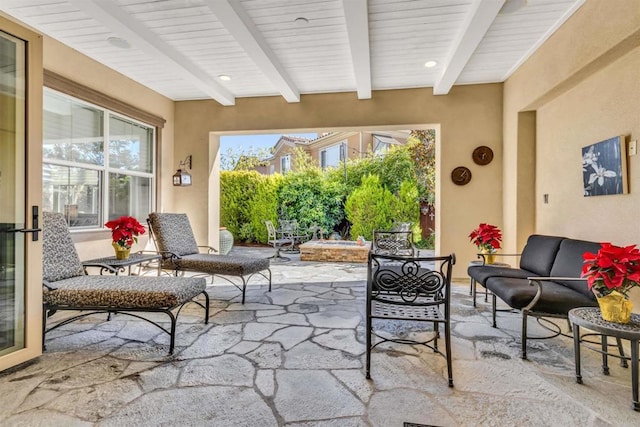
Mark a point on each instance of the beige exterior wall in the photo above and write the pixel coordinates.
(581, 87)
(468, 117)
(69, 63)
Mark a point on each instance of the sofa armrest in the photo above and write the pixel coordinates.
(482, 256)
(556, 278)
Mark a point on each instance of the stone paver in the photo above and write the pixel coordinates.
(294, 357)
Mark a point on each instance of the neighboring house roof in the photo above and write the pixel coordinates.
(329, 138)
(289, 141)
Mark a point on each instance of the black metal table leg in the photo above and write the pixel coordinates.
(605, 354)
(576, 351)
(634, 374)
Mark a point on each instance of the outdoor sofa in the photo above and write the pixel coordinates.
(547, 282)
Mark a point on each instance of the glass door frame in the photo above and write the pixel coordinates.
(33, 197)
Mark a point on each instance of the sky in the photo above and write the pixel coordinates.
(244, 143)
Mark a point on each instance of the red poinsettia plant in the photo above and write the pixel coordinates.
(486, 237)
(612, 268)
(125, 230)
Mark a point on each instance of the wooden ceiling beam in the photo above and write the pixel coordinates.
(124, 26)
(238, 23)
(481, 15)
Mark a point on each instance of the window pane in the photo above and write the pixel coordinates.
(129, 196)
(130, 145)
(72, 131)
(74, 192)
(285, 164)
(331, 156)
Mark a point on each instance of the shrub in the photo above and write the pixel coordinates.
(265, 206)
(370, 207)
(311, 199)
(236, 198)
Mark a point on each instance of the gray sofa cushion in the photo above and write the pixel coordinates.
(556, 298)
(122, 292)
(480, 273)
(569, 262)
(539, 253)
(59, 257)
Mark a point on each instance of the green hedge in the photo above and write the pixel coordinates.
(376, 192)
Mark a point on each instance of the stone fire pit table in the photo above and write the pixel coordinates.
(333, 251)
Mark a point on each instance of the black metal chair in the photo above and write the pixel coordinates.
(410, 289)
(398, 243)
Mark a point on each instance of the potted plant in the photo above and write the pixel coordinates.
(610, 274)
(487, 238)
(124, 232)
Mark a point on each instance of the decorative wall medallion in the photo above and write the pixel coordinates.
(482, 155)
(461, 175)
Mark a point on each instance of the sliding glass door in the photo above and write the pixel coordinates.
(20, 244)
(12, 192)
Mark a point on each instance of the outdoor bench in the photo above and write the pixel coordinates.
(546, 284)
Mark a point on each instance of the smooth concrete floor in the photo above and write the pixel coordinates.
(294, 357)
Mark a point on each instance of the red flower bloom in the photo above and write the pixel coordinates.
(486, 236)
(612, 268)
(125, 231)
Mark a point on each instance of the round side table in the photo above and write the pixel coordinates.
(590, 318)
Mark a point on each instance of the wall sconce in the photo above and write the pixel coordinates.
(182, 177)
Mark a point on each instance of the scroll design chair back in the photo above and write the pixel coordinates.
(174, 240)
(409, 289)
(393, 243)
(277, 239)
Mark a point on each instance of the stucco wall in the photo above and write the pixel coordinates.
(596, 36)
(71, 64)
(582, 86)
(468, 117)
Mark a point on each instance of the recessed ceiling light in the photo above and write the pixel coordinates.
(224, 77)
(118, 42)
(511, 6)
(430, 64)
(301, 21)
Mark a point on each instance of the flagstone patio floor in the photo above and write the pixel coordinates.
(294, 357)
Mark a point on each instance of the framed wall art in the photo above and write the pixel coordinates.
(604, 167)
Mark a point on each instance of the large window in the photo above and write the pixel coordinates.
(332, 156)
(97, 165)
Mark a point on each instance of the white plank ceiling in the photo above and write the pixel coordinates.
(181, 48)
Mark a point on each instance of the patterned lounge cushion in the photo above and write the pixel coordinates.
(219, 264)
(59, 257)
(124, 291)
(173, 233)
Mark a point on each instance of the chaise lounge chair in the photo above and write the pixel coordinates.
(174, 240)
(68, 287)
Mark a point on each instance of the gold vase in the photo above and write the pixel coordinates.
(615, 307)
(489, 257)
(121, 252)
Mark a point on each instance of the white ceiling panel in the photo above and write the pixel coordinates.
(180, 48)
